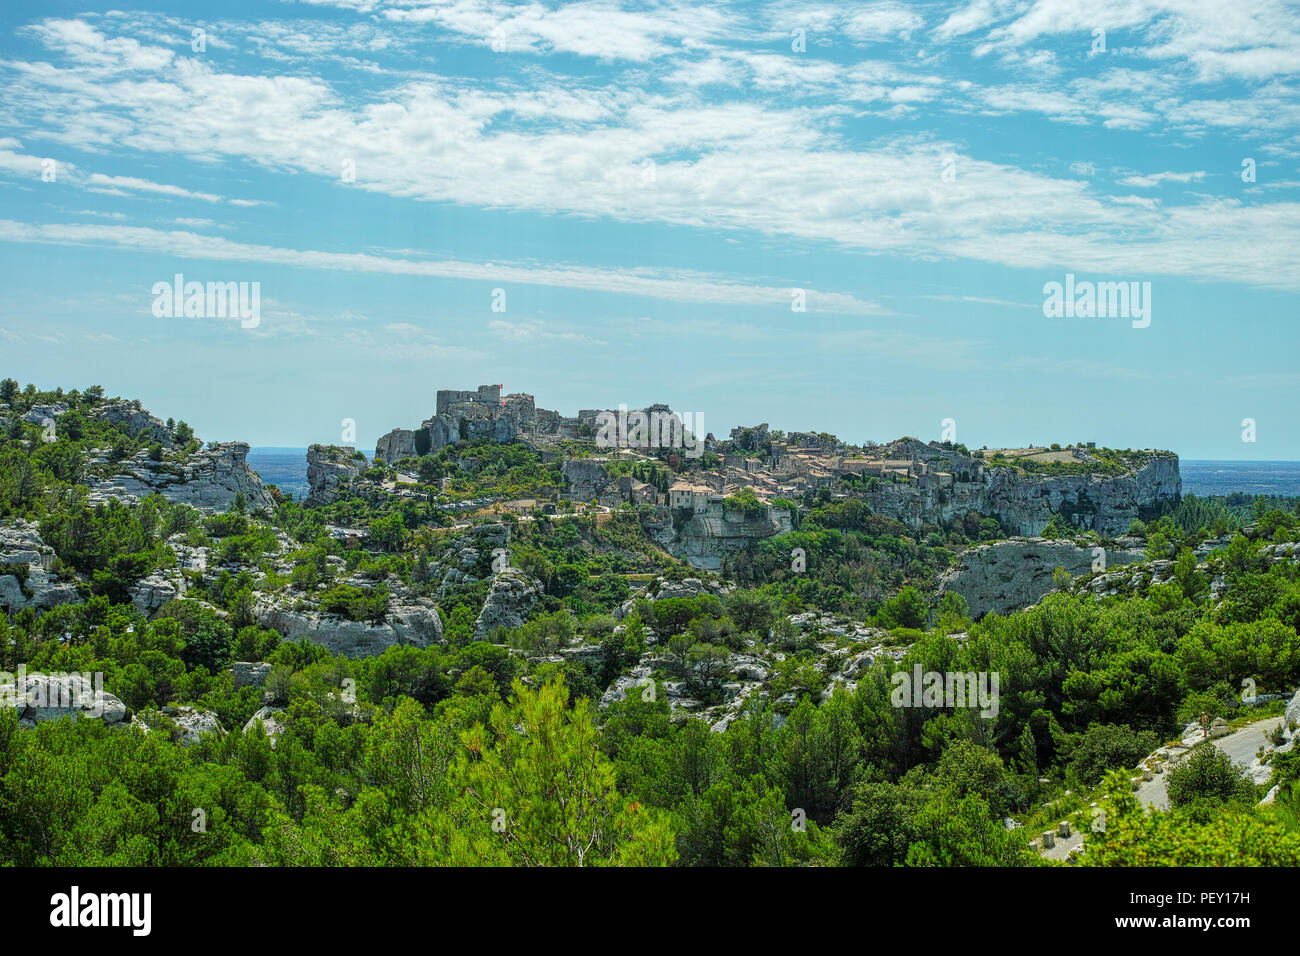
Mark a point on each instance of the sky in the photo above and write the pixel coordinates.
(826, 217)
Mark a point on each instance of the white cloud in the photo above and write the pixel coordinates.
(676, 286)
(119, 184)
(526, 330)
(1157, 179)
(773, 166)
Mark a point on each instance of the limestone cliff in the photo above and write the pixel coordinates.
(329, 467)
(408, 621)
(1026, 502)
(209, 479)
(399, 443)
(584, 478)
(25, 576)
(713, 533)
(512, 597)
(134, 420)
(461, 416)
(1017, 573)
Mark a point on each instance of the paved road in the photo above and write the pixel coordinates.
(1241, 747)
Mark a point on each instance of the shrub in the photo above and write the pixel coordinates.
(354, 603)
(1209, 775)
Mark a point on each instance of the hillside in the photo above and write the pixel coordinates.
(771, 631)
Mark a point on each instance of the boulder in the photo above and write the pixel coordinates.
(250, 673)
(192, 723)
(749, 668)
(272, 724)
(858, 664)
(512, 597)
(149, 594)
(40, 697)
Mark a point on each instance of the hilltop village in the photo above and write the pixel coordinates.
(912, 481)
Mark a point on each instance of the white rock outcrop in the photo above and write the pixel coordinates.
(1017, 572)
(210, 479)
(25, 578)
(412, 621)
(40, 697)
(329, 467)
(512, 597)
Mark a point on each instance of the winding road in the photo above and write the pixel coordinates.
(1241, 747)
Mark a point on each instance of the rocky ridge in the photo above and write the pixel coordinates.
(210, 479)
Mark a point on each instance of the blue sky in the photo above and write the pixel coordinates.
(648, 183)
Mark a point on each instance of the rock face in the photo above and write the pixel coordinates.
(662, 588)
(41, 697)
(151, 593)
(470, 556)
(192, 723)
(40, 414)
(399, 443)
(1016, 573)
(209, 480)
(272, 723)
(463, 415)
(466, 421)
(513, 596)
(135, 420)
(413, 621)
(584, 478)
(250, 673)
(1025, 503)
(25, 578)
(714, 533)
(1292, 715)
(328, 468)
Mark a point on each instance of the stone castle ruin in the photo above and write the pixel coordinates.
(463, 415)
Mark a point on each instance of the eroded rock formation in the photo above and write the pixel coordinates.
(210, 479)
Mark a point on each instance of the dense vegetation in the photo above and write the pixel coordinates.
(495, 751)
